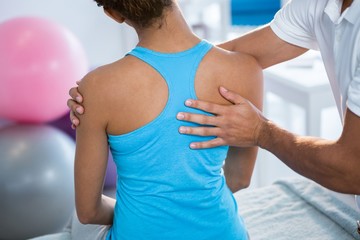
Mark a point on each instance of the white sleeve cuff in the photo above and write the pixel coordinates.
(294, 23)
(353, 101)
(354, 108)
(281, 31)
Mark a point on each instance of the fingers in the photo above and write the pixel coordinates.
(74, 120)
(231, 96)
(199, 131)
(74, 107)
(205, 132)
(208, 144)
(197, 118)
(205, 106)
(75, 95)
(76, 98)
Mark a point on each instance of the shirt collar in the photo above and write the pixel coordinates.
(354, 12)
(351, 14)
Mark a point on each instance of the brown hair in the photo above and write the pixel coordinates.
(143, 13)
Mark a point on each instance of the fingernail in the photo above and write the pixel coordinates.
(180, 116)
(182, 129)
(78, 99)
(188, 103)
(74, 121)
(192, 145)
(79, 110)
(223, 89)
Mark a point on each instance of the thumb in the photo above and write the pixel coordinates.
(231, 96)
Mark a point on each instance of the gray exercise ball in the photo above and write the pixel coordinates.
(36, 181)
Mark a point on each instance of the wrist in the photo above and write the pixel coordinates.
(264, 133)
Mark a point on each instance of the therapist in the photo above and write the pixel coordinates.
(331, 26)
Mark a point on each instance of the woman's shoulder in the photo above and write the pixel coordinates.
(242, 63)
(241, 73)
(105, 77)
(238, 72)
(106, 85)
(110, 70)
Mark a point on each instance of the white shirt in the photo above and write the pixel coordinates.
(317, 24)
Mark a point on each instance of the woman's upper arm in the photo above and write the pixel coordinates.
(248, 79)
(239, 163)
(91, 150)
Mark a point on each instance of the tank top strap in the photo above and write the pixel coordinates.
(145, 55)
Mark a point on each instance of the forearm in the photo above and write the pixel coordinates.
(234, 179)
(265, 46)
(330, 163)
(239, 166)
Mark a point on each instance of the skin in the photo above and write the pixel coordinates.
(333, 164)
(113, 86)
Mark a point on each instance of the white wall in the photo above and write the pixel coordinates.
(212, 15)
(103, 39)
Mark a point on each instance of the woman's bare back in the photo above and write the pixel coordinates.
(134, 93)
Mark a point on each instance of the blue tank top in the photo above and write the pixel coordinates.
(165, 190)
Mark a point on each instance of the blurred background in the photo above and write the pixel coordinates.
(298, 96)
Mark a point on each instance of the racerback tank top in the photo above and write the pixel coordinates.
(165, 190)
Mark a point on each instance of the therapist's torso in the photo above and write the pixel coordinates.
(319, 25)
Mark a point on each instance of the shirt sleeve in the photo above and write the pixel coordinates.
(294, 23)
(353, 101)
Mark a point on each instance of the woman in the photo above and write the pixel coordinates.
(165, 190)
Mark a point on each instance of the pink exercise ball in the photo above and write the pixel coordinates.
(40, 61)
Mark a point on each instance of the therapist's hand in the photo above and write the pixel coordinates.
(74, 105)
(237, 125)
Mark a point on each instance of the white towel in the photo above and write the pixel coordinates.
(296, 209)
